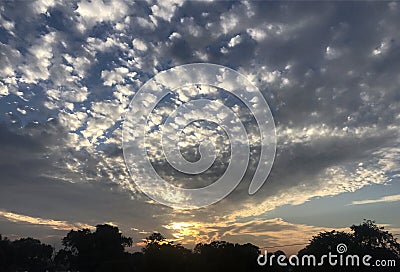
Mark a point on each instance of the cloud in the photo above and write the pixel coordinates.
(385, 199)
(10, 57)
(67, 76)
(166, 10)
(39, 59)
(54, 224)
(139, 44)
(272, 233)
(116, 76)
(93, 12)
(41, 6)
(235, 41)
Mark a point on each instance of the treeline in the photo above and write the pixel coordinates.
(104, 250)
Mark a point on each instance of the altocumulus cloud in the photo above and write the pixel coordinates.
(68, 70)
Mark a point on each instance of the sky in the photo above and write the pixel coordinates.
(328, 70)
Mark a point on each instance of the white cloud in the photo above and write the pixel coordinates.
(54, 224)
(229, 21)
(3, 89)
(190, 28)
(272, 232)
(166, 9)
(332, 53)
(382, 48)
(235, 41)
(257, 34)
(72, 121)
(8, 25)
(116, 76)
(139, 44)
(9, 57)
(81, 63)
(41, 6)
(385, 199)
(145, 23)
(76, 95)
(95, 12)
(36, 66)
(96, 44)
(122, 93)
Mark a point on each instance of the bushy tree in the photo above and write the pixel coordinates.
(93, 251)
(364, 239)
(163, 255)
(5, 253)
(370, 237)
(224, 256)
(26, 254)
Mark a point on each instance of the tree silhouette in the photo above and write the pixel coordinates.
(163, 255)
(5, 253)
(365, 239)
(224, 256)
(26, 254)
(371, 237)
(93, 251)
(155, 238)
(104, 250)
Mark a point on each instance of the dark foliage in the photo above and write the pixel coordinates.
(161, 255)
(365, 239)
(104, 250)
(25, 254)
(224, 256)
(94, 251)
